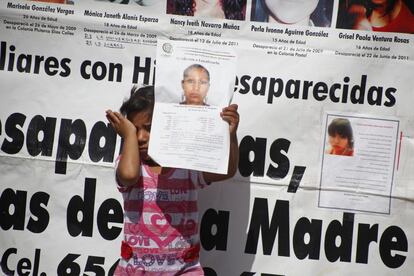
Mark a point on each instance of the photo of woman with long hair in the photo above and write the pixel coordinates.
(377, 15)
(228, 9)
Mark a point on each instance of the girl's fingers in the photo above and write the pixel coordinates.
(118, 115)
(230, 110)
(113, 117)
(230, 116)
(232, 107)
(232, 121)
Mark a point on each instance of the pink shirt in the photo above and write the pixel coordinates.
(161, 224)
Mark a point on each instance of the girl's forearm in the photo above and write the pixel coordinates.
(128, 170)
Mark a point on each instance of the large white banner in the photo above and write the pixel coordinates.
(294, 208)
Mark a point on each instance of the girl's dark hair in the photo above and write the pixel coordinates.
(141, 99)
(343, 128)
(233, 9)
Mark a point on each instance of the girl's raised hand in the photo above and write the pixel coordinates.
(230, 115)
(121, 124)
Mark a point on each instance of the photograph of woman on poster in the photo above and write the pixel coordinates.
(228, 9)
(341, 138)
(195, 84)
(295, 12)
(377, 15)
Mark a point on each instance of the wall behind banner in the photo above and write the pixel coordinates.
(63, 65)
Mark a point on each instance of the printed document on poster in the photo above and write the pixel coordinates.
(194, 82)
(358, 164)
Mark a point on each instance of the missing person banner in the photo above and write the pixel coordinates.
(295, 207)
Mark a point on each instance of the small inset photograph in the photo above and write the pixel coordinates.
(340, 137)
(293, 12)
(195, 84)
(225, 9)
(192, 74)
(376, 15)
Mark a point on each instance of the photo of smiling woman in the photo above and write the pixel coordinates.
(195, 84)
(293, 12)
(341, 138)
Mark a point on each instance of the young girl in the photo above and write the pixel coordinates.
(160, 204)
(341, 138)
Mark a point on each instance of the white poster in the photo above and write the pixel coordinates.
(359, 163)
(194, 83)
